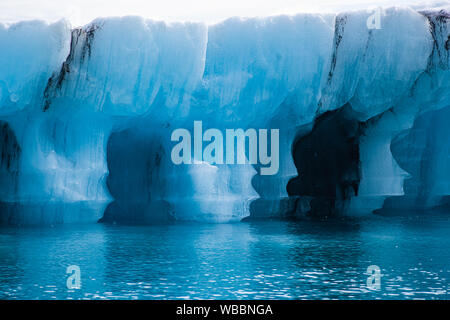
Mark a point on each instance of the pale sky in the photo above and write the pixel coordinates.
(80, 12)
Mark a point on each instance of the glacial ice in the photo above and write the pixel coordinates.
(86, 116)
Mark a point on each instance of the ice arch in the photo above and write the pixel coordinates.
(423, 151)
(149, 188)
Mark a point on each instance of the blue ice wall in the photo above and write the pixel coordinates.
(91, 111)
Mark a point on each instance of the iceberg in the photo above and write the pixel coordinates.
(86, 116)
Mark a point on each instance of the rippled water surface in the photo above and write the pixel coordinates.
(247, 260)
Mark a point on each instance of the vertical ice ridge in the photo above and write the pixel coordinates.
(340, 22)
(440, 31)
(56, 81)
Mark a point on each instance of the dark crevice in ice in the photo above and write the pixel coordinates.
(328, 163)
(10, 149)
(9, 170)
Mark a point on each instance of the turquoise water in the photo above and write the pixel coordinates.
(247, 260)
